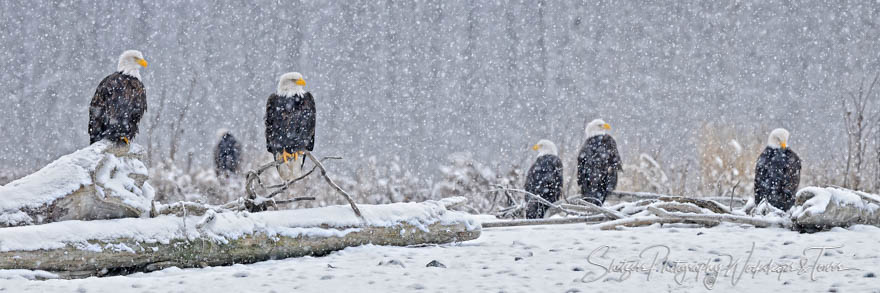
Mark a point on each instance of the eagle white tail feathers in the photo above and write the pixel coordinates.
(296, 166)
(292, 169)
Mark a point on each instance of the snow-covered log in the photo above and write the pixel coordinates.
(819, 208)
(101, 181)
(95, 248)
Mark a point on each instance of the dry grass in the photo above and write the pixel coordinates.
(727, 159)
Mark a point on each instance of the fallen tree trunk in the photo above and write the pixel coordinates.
(75, 249)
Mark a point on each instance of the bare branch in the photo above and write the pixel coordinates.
(647, 221)
(590, 207)
(333, 184)
(554, 221)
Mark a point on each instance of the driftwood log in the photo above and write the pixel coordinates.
(822, 208)
(101, 181)
(75, 262)
(112, 247)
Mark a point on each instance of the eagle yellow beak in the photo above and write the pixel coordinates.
(142, 62)
(606, 126)
(782, 144)
(301, 82)
(535, 147)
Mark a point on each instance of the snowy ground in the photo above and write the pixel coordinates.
(534, 259)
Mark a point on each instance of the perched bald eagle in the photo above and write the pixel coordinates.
(544, 179)
(598, 163)
(227, 154)
(778, 172)
(119, 102)
(290, 122)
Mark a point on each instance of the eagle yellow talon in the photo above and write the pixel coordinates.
(125, 139)
(285, 155)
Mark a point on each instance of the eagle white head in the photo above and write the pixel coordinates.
(597, 127)
(220, 133)
(778, 138)
(545, 147)
(291, 84)
(130, 62)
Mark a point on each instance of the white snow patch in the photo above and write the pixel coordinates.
(824, 196)
(15, 218)
(120, 247)
(26, 275)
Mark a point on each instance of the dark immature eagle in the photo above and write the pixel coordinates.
(544, 178)
(119, 102)
(598, 163)
(778, 172)
(290, 121)
(227, 155)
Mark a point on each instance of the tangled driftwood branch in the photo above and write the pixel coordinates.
(256, 202)
(520, 208)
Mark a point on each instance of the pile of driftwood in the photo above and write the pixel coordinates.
(811, 213)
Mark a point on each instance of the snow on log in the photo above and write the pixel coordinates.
(819, 208)
(101, 181)
(73, 249)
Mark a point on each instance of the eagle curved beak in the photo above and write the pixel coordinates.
(142, 62)
(301, 82)
(782, 144)
(535, 147)
(606, 126)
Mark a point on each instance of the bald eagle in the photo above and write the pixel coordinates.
(544, 178)
(778, 172)
(227, 154)
(119, 102)
(290, 122)
(598, 163)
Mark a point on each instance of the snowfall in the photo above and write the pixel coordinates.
(553, 258)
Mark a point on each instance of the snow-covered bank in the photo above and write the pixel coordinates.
(529, 259)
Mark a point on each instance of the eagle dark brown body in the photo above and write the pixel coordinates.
(290, 123)
(118, 105)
